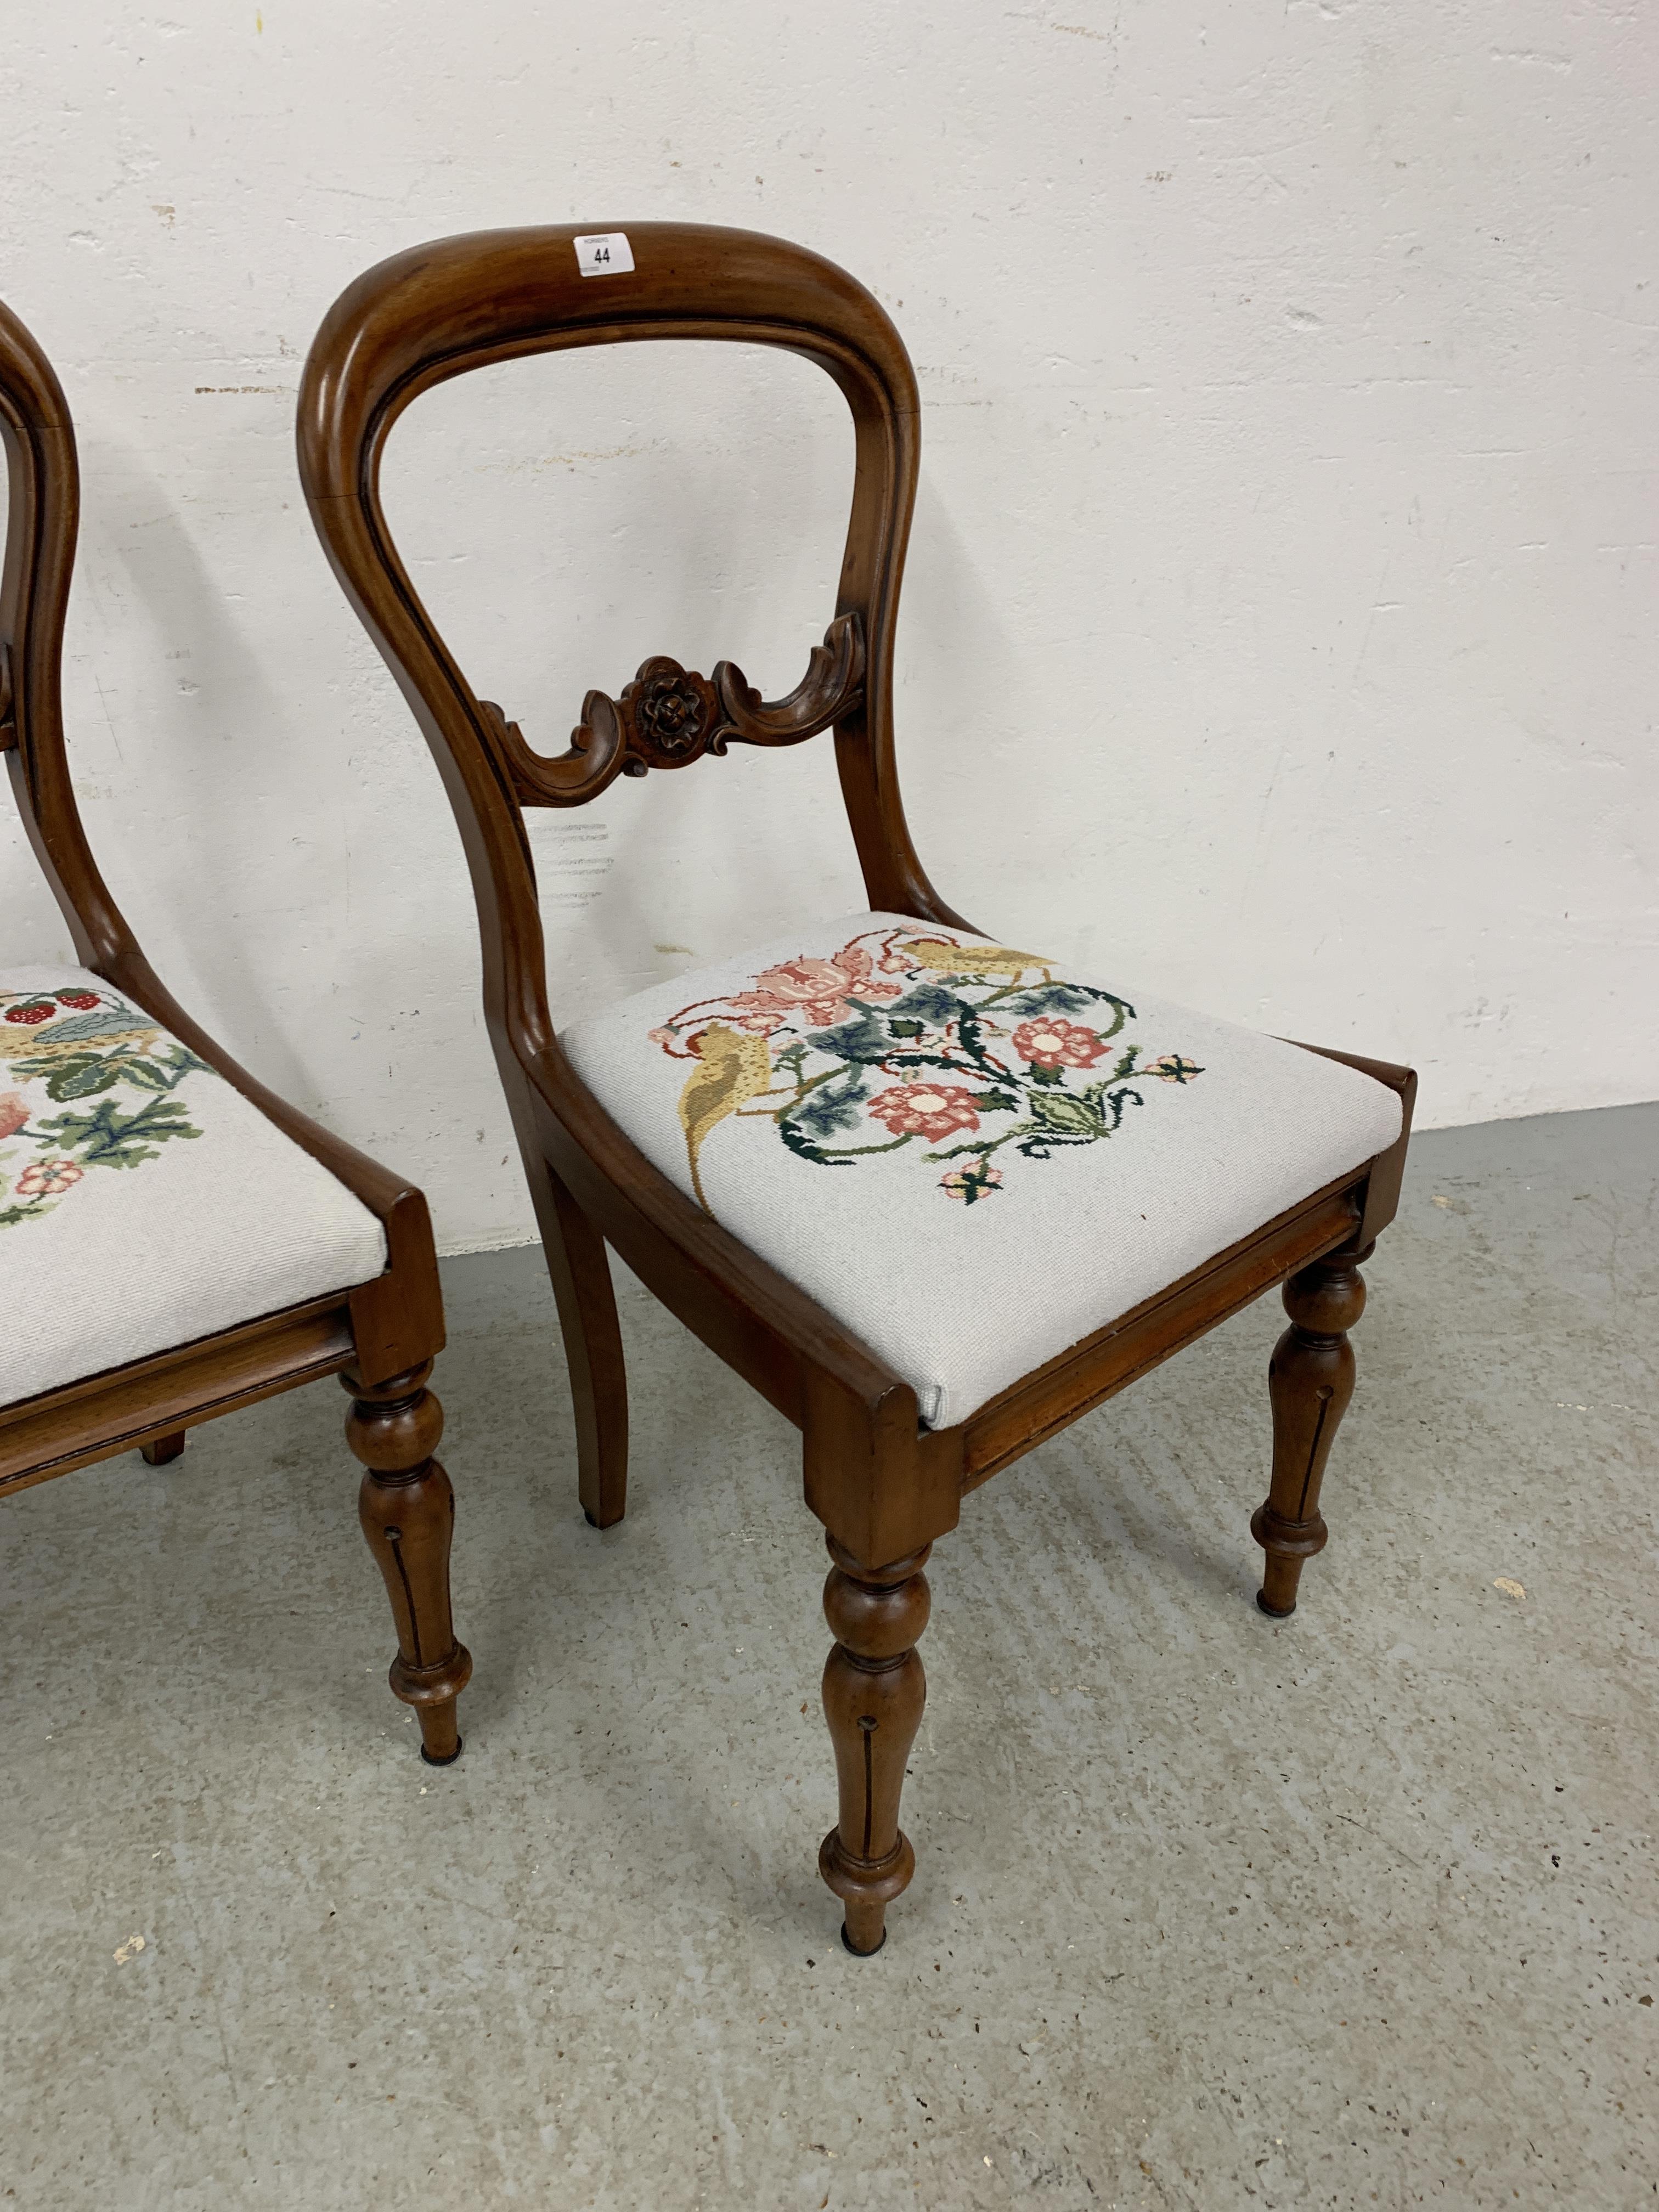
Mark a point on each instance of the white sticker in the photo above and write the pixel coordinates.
(607, 253)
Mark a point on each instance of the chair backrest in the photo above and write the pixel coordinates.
(42, 509)
(439, 310)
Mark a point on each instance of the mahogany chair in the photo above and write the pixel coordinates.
(174, 1240)
(933, 1198)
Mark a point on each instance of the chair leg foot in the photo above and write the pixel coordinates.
(407, 1509)
(161, 1452)
(1310, 1381)
(874, 1690)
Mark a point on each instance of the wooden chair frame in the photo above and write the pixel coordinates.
(883, 1486)
(379, 1337)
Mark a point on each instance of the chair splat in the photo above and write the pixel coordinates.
(669, 716)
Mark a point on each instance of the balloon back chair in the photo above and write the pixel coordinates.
(175, 1241)
(931, 1194)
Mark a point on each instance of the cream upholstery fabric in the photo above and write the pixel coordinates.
(143, 1202)
(968, 1158)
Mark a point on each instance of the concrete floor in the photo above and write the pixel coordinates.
(1358, 1910)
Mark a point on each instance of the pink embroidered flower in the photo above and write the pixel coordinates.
(47, 1178)
(1172, 1067)
(13, 1113)
(970, 1183)
(925, 1109)
(1058, 1044)
(808, 989)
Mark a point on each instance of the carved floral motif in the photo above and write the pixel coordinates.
(669, 716)
(669, 712)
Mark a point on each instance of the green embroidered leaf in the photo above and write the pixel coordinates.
(83, 1074)
(103, 1139)
(80, 1078)
(904, 1029)
(1066, 1113)
(106, 1024)
(995, 1102)
(183, 1062)
(148, 1075)
(732, 1068)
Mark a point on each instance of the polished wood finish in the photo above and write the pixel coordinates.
(874, 1690)
(587, 1300)
(407, 1510)
(1088, 1374)
(669, 716)
(1309, 1382)
(126, 1408)
(382, 1329)
(884, 1487)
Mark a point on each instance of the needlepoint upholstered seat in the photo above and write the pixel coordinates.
(144, 1201)
(965, 1153)
(175, 1241)
(933, 1194)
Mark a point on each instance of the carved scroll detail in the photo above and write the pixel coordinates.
(669, 716)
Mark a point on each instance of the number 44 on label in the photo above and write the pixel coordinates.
(607, 253)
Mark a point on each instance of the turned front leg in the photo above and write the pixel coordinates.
(408, 1511)
(873, 1692)
(1310, 1381)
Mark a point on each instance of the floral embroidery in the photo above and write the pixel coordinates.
(46, 1178)
(816, 991)
(1170, 1067)
(802, 1049)
(969, 1183)
(925, 1109)
(1058, 1044)
(75, 1044)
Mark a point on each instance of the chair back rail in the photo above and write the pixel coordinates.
(399, 1316)
(440, 310)
(43, 507)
